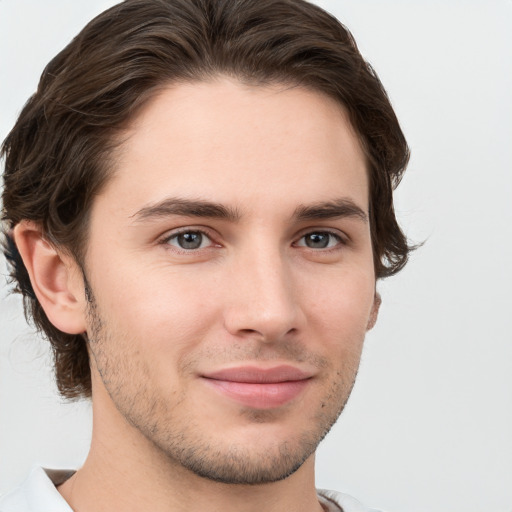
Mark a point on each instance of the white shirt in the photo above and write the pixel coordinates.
(39, 494)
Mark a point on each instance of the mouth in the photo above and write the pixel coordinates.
(259, 388)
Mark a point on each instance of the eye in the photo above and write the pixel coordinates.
(189, 240)
(320, 240)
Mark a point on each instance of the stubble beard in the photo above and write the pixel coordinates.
(181, 441)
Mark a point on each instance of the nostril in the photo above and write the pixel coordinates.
(250, 331)
(267, 336)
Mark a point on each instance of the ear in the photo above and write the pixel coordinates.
(55, 277)
(374, 313)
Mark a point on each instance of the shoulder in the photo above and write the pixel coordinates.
(37, 493)
(337, 501)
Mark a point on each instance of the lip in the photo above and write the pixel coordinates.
(259, 388)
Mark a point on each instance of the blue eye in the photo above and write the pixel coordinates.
(319, 240)
(189, 240)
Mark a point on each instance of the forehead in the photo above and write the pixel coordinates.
(232, 142)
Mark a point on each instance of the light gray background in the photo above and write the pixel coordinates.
(429, 425)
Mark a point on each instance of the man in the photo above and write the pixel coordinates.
(198, 203)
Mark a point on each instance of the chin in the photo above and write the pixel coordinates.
(241, 467)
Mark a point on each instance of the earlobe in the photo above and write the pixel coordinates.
(55, 278)
(377, 301)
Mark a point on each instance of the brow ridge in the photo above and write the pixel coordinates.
(187, 208)
(343, 207)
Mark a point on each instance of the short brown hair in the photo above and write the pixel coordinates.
(57, 154)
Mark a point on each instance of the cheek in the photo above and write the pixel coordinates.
(337, 323)
(341, 304)
(168, 310)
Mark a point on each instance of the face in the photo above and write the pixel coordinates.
(231, 278)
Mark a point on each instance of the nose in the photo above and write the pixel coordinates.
(263, 299)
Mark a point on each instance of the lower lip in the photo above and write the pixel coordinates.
(259, 395)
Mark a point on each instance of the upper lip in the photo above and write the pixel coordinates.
(257, 375)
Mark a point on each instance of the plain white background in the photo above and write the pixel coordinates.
(429, 424)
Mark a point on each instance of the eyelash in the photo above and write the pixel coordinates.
(341, 241)
(201, 231)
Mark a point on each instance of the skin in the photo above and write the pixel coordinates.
(260, 289)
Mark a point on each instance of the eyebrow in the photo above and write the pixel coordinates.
(187, 208)
(338, 208)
